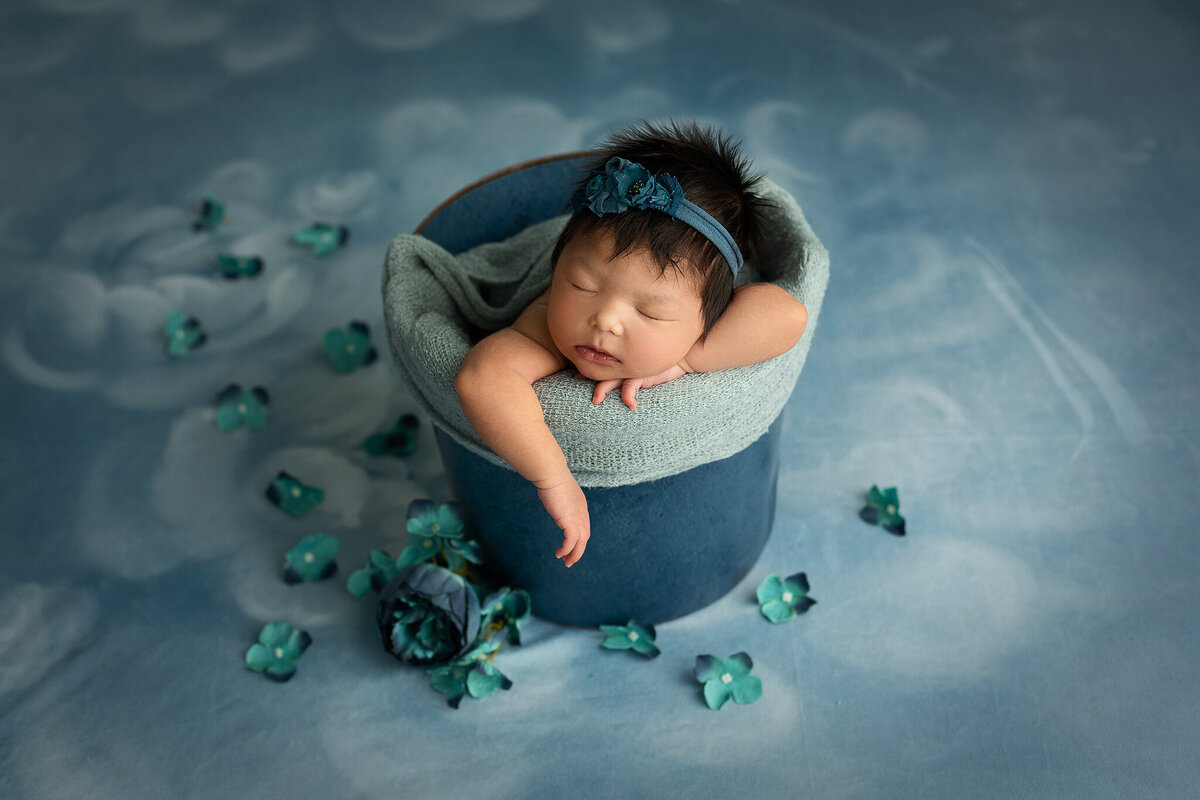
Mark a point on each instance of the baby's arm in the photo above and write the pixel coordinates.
(761, 322)
(495, 389)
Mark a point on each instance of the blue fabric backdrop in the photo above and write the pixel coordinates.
(1008, 193)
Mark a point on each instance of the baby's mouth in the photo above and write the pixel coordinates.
(595, 355)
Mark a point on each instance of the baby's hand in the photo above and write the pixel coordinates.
(567, 505)
(629, 386)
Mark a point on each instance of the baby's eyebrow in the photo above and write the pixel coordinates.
(657, 299)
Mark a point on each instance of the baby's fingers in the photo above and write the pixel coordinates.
(602, 389)
(629, 393)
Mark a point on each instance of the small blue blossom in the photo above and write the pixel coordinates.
(350, 348)
(380, 569)
(473, 674)
(883, 508)
(632, 636)
(277, 649)
(781, 600)
(183, 333)
(504, 610)
(322, 237)
(311, 560)
(294, 497)
(726, 678)
(236, 408)
(398, 440)
(437, 532)
(234, 267)
(212, 214)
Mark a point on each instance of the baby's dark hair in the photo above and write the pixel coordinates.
(714, 174)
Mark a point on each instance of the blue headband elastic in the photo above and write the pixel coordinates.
(624, 185)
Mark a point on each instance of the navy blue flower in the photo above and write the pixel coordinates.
(428, 615)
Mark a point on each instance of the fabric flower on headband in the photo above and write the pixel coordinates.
(624, 185)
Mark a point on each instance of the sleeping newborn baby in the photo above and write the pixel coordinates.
(642, 292)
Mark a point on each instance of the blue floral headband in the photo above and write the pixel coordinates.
(624, 185)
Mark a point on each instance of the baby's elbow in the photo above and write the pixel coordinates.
(798, 322)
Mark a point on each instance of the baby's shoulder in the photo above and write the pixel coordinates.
(532, 322)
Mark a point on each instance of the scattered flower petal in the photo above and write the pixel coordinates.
(883, 508)
(212, 214)
(726, 678)
(233, 267)
(632, 636)
(398, 440)
(322, 237)
(781, 600)
(350, 348)
(276, 651)
(236, 409)
(380, 569)
(183, 333)
(313, 559)
(294, 497)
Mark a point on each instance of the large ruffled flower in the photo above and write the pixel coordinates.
(428, 615)
(624, 185)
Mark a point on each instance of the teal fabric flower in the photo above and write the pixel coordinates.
(504, 610)
(322, 237)
(623, 185)
(212, 214)
(311, 560)
(398, 440)
(234, 267)
(236, 409)
(380, 569)
(726, 678)
(294, 497)
(437, 532)
(474, 674)
(883, 508)
(183, 333)
(781, 600)
(276, 651)
(350, 348)
(632, 636)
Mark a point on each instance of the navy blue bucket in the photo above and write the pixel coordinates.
(659, 549)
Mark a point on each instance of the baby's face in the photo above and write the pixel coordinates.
(622, 318)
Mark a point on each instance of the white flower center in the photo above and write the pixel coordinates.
(726, 678)
(295, 491)
(891, 509)
(308, 558)
(179, 334)
(349, 348)
(435, 527)
(787, 597)
(279, 652)
(633, 637)
(241, 408)
(428, 544)
(498, 607)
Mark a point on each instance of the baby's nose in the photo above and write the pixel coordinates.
(608, 320)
